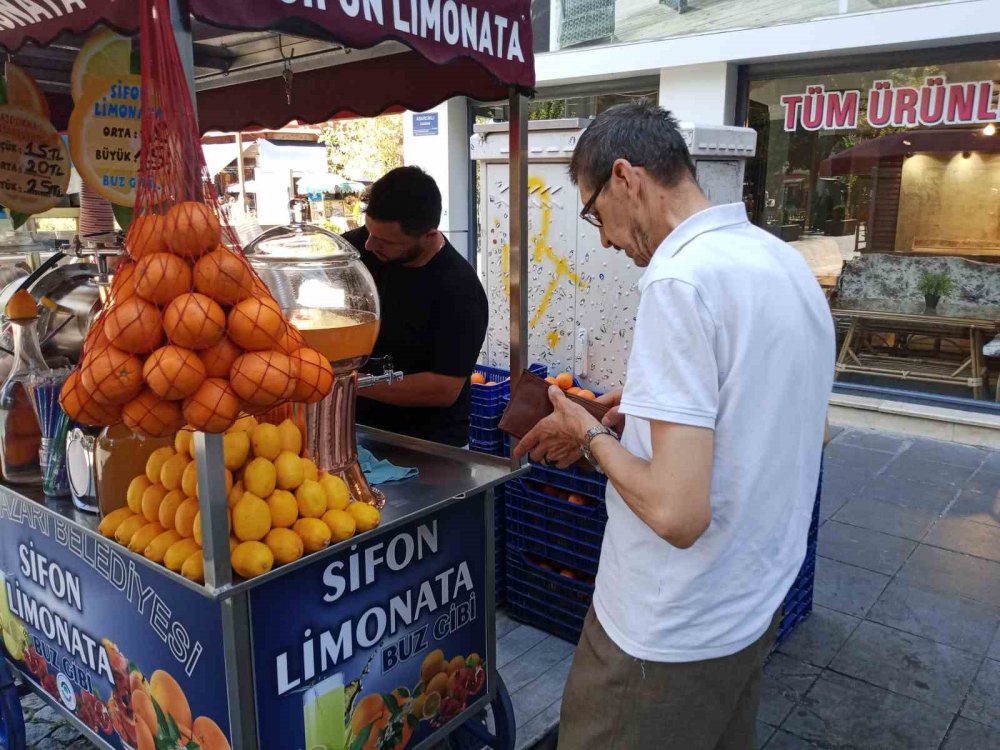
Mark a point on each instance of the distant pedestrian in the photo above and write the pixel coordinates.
(711, 488)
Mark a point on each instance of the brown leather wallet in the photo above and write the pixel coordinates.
(529, 404)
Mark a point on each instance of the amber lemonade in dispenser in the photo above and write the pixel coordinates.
(338, 335)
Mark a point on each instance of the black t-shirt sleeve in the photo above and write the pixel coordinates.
(460, 321)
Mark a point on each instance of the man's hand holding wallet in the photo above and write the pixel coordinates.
(556, 428)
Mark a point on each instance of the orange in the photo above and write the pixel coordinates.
(564, 380)
(291, 340)
(574, 391)
(315, 378)
(264, 378)
(133, 325)
(214, 407)
(194, 321)
(256, 323)
(207, 734)
(95, 340)
(22, 306)
(224, 276)
(151, 416)
(23, 91)
(103, 55)
(145, 236)
(191, 229)
(161, 277)
(218, 358)
(123, 282)
(81, 407)
(111, 376)
(550, 380)
(172, 372)
(478, 379)
(589, 395)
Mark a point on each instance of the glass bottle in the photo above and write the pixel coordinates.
(20, 433)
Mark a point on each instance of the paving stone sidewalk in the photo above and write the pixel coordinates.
(902, 651)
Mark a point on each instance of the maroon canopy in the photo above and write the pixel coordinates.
(861, 157)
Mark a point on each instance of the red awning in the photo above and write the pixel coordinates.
(366, 88)
(495, 34)
(863, 156)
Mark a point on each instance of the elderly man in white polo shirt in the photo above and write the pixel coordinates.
(711, 487)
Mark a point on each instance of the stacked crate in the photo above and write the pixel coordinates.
(555, 526)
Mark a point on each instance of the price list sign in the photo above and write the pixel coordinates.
(34, 165)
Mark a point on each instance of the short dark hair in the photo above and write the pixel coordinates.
(408, 195)
(640, 132)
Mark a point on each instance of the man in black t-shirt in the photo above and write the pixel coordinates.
(433, 308)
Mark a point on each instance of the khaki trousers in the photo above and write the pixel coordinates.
(613, 701)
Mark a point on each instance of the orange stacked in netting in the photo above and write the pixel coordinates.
(189, 335)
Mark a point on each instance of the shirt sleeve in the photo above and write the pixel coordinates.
(460, 330)
(673, 372)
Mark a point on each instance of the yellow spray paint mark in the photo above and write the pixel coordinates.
(553, 339)
(542, 251)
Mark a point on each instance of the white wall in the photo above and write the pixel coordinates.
(705, 94)
(445, 157)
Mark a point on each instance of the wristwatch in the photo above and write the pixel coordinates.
(589, 438)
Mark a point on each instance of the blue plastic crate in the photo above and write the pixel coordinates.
(544, 598)
(500, 544)
(799, 600)
(486, 399)
(587, 483)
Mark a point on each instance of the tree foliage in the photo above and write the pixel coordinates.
(364, 148)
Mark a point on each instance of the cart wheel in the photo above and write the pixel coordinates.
(11, 717)
(476, 733)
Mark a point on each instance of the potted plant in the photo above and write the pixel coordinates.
(790, 231)
(840, 225)
(934, 286)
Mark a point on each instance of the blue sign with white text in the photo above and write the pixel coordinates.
(425, 123)
(377, 647)
(133, 655)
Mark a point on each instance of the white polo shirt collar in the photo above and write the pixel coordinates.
(707, 220)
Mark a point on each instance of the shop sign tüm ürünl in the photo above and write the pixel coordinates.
(937, 102)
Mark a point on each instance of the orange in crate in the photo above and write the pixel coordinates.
(173, 372)
(134, 325)
(256, 324)
(264, 378)
(161, 277)
(191, 229)
(315, 377)
(214, 407)
(81, 406)
(218, 358)
(151, 416)
(194, 321)
(223, 276)
(145, 236)
(111, 376)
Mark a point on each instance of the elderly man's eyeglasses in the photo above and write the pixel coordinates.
(587, 214)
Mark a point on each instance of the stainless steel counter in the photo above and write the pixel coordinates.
(446, 475)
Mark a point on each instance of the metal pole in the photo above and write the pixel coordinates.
(518, 237)
(185, 46)
(240, 167)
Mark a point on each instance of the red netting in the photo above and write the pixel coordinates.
(189, 333)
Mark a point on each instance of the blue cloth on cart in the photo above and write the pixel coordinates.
(380, 471)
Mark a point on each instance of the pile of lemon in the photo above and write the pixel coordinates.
(280, 505)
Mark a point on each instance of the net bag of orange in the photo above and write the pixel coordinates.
(189, 334)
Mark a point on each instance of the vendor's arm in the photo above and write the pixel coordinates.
(418, 389)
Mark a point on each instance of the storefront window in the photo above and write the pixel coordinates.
(888, 182)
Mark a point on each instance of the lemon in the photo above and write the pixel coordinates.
(235, 494)
(178, 552)
(105, 54)
(366, 517)
(189, 480)
(151, 500)
(155, 463)
(288, 467)
(260, 477)
(311, 499)
(342, 524)
(136, 488)
(184, 517)
(236, 448)
(291, 437)
(285, 545)
(252, 559)
(128, 527)
(310, 470)
(110, 523)
(338, 497)
(284, 509)
(245, 424)
(251, 518)
(172, 470)
(141, 539)
(168, 509)
(314, 533)
(184, 441)
(194, 567)
(266, 441)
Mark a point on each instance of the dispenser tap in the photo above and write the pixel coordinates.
(388, 375)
